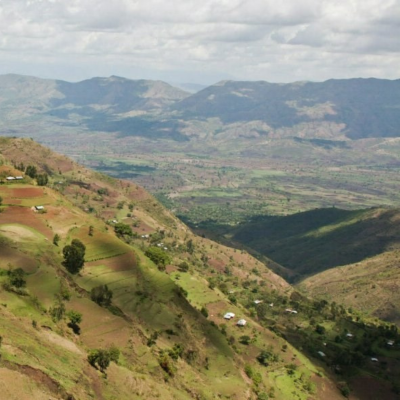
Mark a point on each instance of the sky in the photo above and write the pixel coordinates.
(201, 41)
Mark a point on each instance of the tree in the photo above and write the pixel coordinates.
(158, 256)
(56, 239)
(31, 171)
(75, 318)
(101, 295)
(183, 266)
(16, 277)
(245, 339)
(91, 230)
(74, 256)
(204, 311)
(99, 358)
(122, 229)
(42, 179)
(1, 200)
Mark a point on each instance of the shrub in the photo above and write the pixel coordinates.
(101, 295)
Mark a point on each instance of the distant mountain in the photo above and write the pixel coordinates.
(332, 110)
(363, 107)
(190, 87)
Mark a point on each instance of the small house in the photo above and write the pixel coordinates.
(294, 312)
(349, 335)
(10, 178)
(271, 304)
(229, 315)
(374, 359)
(19, 178)
(390, 342)
(39, 208)
(241, 322)
(257, 301)
(322, 354)
(288, 310)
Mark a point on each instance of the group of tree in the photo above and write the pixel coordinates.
(74, 256)
(158, 256)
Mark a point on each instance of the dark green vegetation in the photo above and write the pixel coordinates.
(321, 239)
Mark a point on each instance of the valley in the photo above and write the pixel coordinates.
(278, 203)
(165, 323)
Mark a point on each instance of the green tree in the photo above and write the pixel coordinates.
(31, 171)
(75, 318)
(1, 201)
(245, 339)
(183, 266)
(122, 229)
(57, 312)
(74, 256)
(16, 277)
(42, 179)
(56, 239)
(204, 311)
(99, 358)
(158, 256)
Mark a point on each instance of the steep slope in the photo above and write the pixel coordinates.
(323, 238)
(167, 321)
(371, 285)
(168, 347)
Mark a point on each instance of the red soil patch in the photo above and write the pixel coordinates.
(124, 262)
(25, 216)
(27, 193)
(170, 268)
(218, 265)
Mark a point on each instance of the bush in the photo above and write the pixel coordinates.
(183, 266)
(16, 277)
(204, 311)
(101, 295)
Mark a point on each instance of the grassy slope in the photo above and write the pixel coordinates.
(149, 300)
(371, 285)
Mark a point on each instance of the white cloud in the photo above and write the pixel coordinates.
(253, 39)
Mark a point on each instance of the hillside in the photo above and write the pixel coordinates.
(164, 322)
(323, 238)
(371, 285)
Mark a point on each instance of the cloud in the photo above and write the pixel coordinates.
(253, 39)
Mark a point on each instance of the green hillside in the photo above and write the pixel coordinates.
(163, 327)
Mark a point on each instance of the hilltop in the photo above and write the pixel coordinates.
(165, 323)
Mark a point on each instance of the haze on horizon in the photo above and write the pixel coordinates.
(184, 41)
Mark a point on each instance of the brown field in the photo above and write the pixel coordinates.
(27, 193)
(25, 216)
